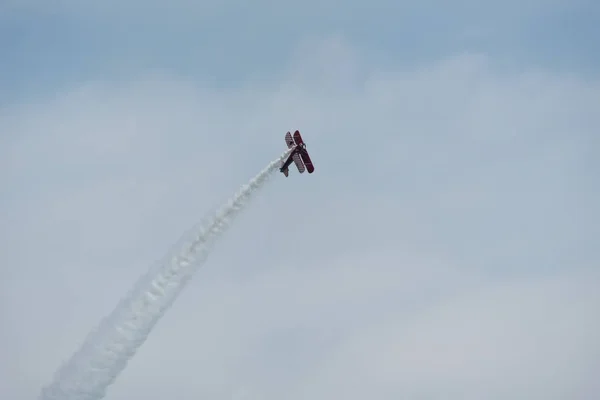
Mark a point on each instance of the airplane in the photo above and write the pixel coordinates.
(298, 156)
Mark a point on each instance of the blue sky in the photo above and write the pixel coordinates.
(445, 246)
(45, 47)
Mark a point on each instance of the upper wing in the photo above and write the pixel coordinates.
(298, 161)
(303, 153)
(298, 138)
(307, 161)
(288, 140)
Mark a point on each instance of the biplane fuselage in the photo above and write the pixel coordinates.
(298, 156)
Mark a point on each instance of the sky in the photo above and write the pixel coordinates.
(444, 248)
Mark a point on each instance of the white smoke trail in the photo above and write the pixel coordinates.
(107, 350)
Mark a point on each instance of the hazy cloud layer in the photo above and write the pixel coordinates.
(444, 248)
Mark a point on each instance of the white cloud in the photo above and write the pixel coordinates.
(441, 248)
(532, 339)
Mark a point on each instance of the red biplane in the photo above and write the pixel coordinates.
(298, 156)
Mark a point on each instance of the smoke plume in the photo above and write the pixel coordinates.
(107, 350)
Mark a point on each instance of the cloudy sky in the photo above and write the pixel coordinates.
(444, 248)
